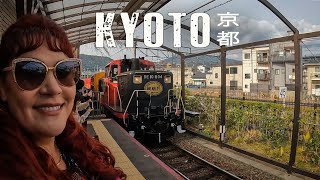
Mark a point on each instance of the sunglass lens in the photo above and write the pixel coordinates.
(68, 72)
(29, 74)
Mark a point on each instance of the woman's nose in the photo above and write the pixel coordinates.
(50, 85)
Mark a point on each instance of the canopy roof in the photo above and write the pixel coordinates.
(78, 18)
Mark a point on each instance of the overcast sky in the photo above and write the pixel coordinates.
(255, 21)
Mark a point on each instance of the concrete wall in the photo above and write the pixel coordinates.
(289, 73)
(278, 79)
(215, 81)
(7, 14)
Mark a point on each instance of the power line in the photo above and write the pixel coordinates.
(310, 51)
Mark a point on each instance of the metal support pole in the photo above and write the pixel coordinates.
(223, 95)
(135, 49)
(183, 94)
(296, 119)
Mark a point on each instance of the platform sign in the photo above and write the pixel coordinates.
(282, 92)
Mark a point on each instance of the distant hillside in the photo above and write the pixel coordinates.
(201, 60)
(91, 62)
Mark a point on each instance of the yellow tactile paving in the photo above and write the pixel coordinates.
(122, 160)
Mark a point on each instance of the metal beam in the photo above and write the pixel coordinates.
(78, 23)
(223, 94)
(82, 5)
(81, 32)
(93, 27)
(309, 35)
(90, 36)
(297, 101)
(86, 12)
(278, 14)
(112, 1)
(183, 83)
(242, 46)
(84, 22)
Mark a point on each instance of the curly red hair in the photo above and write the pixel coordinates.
(21, 157)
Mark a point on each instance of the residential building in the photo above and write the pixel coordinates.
(199, 79)
(283, 66)
(311, 75)
(256, 69)
(233, 76)
(268, 67)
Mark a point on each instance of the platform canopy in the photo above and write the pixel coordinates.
(78, 17)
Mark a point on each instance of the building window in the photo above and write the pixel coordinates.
(277, 71)
(247, 56)
(247, 76)
(255, 70)
(293, 70)
(211, 82)
(233, 85)
(317, 69)
(227, 71)
(216, 75)
(317, 86)
(233, 70)
(262, 57)
(246, 86)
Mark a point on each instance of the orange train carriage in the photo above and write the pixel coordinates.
(141, 98)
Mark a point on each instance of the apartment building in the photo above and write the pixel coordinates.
(311, 75)
(268, 67)
(283, 66)
(256, 69)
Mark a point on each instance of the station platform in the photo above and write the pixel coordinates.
(134, 159)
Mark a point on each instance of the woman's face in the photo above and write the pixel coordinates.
(43, 111)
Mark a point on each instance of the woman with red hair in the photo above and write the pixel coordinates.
(39, 137)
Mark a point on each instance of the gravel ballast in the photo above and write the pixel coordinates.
(242, 170)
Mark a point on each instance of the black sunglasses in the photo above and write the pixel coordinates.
(30, 73)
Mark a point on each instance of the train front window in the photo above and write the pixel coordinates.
(106, 70)
(114, 72)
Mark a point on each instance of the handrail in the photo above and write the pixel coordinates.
(169, 104)
(138, 106)
(108, 95)
(120, 101)
(180, 99)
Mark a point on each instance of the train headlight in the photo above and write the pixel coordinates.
(137, 79)
(167, 79)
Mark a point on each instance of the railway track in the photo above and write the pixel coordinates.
(187, 164)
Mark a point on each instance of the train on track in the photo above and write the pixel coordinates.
(140, 98)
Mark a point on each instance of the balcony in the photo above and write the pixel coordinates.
(284, 58)
(264, 77)
(262, 60)
(315, 76)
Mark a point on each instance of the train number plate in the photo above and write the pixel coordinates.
(154, 88)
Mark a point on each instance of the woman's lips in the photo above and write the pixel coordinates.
(50, 110)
